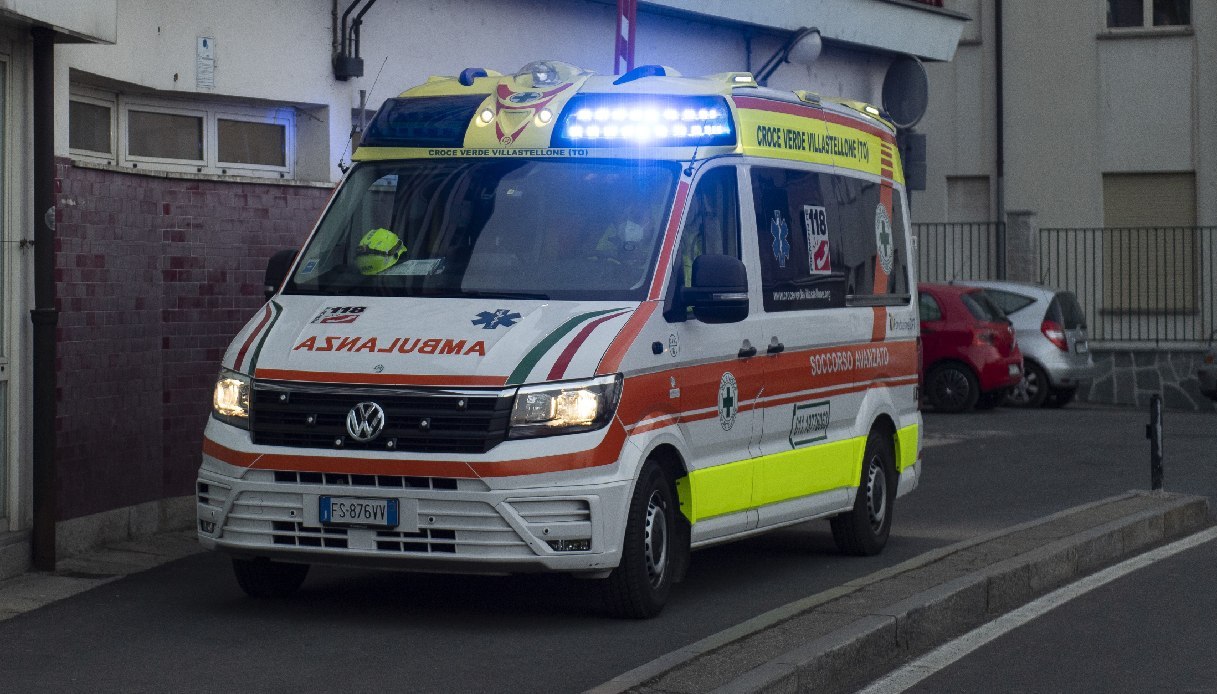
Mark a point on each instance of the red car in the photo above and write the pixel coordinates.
(969, 357)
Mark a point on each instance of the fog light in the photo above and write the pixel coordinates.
(570, 545)
(207, 526)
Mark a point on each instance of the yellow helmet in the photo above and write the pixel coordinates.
(379, 249)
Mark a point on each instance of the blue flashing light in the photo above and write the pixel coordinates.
(623, 120)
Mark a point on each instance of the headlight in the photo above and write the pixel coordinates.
(564, 408)
(230, 402)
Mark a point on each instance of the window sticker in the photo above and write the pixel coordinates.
(419, 267)
(781, 238)
(815, 221)
(883, 238)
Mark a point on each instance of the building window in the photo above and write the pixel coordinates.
(251, 142)
(158, 135)
(1150, 243)
(189, 137)
(90, 126)
(1123, 14)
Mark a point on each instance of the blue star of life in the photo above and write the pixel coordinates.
(491, 320)
(781, 238)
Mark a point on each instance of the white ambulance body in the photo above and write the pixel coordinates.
(557, 321)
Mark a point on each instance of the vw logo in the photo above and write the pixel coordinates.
(365, 421)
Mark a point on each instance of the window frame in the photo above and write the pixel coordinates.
(1147, 21)
(281, 117)
(97, 99)
(210, 112)
(170, 164)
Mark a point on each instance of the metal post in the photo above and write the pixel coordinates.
(1153, 432)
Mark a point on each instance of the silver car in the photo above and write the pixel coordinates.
(1051, 329)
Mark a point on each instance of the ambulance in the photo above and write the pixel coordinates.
(558, 321)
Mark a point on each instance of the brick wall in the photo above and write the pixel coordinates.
(154, 276)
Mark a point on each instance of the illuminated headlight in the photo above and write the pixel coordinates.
(613, 120)
(230, 401)
(564, 408)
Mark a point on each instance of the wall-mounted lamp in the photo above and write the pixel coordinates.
(802, 49)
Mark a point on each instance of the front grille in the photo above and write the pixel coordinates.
(418, 420)
(445, 526)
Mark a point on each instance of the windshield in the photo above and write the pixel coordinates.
(505, 228)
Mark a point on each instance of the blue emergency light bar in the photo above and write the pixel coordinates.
(623, 120)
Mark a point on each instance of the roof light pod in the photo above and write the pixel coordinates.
(612, 120)
(549, 73)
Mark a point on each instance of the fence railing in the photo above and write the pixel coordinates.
(958, 251)
(1139, 285)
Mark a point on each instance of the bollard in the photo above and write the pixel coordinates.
(1153, 432)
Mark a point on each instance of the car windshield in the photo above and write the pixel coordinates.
(507, 228)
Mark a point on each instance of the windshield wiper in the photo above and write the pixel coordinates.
(537, 296)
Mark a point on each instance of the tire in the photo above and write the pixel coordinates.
(952, 387)
(1059, 397)
(863, 530)
(262, 578)
(993, 398)
(651, 554)
(1032, 391)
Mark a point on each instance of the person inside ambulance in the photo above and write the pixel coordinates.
(629, 242)
(378, 250)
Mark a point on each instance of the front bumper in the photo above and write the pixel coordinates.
(446, 525)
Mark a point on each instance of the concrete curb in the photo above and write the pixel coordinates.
(874, 632)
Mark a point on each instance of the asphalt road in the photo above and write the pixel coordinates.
(1148, 631)
(187, 627)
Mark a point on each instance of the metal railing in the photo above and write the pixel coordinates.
(958, 251)
(1150, 285)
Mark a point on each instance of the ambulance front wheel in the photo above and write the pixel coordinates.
(262, 578)
(652, 551)
(862, 531)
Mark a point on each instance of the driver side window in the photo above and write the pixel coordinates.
(712, 224)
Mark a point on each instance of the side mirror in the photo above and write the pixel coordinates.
(276, 271)
(720, 289)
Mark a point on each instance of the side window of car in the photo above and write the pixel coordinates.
(800, 266)
(712, 224)
(927, 307)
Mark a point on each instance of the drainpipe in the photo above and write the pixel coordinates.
(44, 315)
(1000, 116)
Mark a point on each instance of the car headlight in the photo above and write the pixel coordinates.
(564, 408)
(230, 401)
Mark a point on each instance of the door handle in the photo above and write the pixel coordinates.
(775, 347)
(747, 350)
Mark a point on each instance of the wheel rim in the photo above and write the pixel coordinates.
(655, 538)
(1028, 387)
(876, 493)
(951, 388)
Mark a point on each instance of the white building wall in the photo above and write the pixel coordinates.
(1079, 101)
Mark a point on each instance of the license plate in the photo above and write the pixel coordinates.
(368, 513)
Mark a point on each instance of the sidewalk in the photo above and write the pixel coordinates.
(87, 571)
(845, 637)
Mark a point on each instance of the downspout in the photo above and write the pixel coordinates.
(1000, 115)
(44, 315)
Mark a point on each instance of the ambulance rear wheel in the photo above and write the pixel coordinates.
(862, 531)
(262, 578)
(638, 588)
